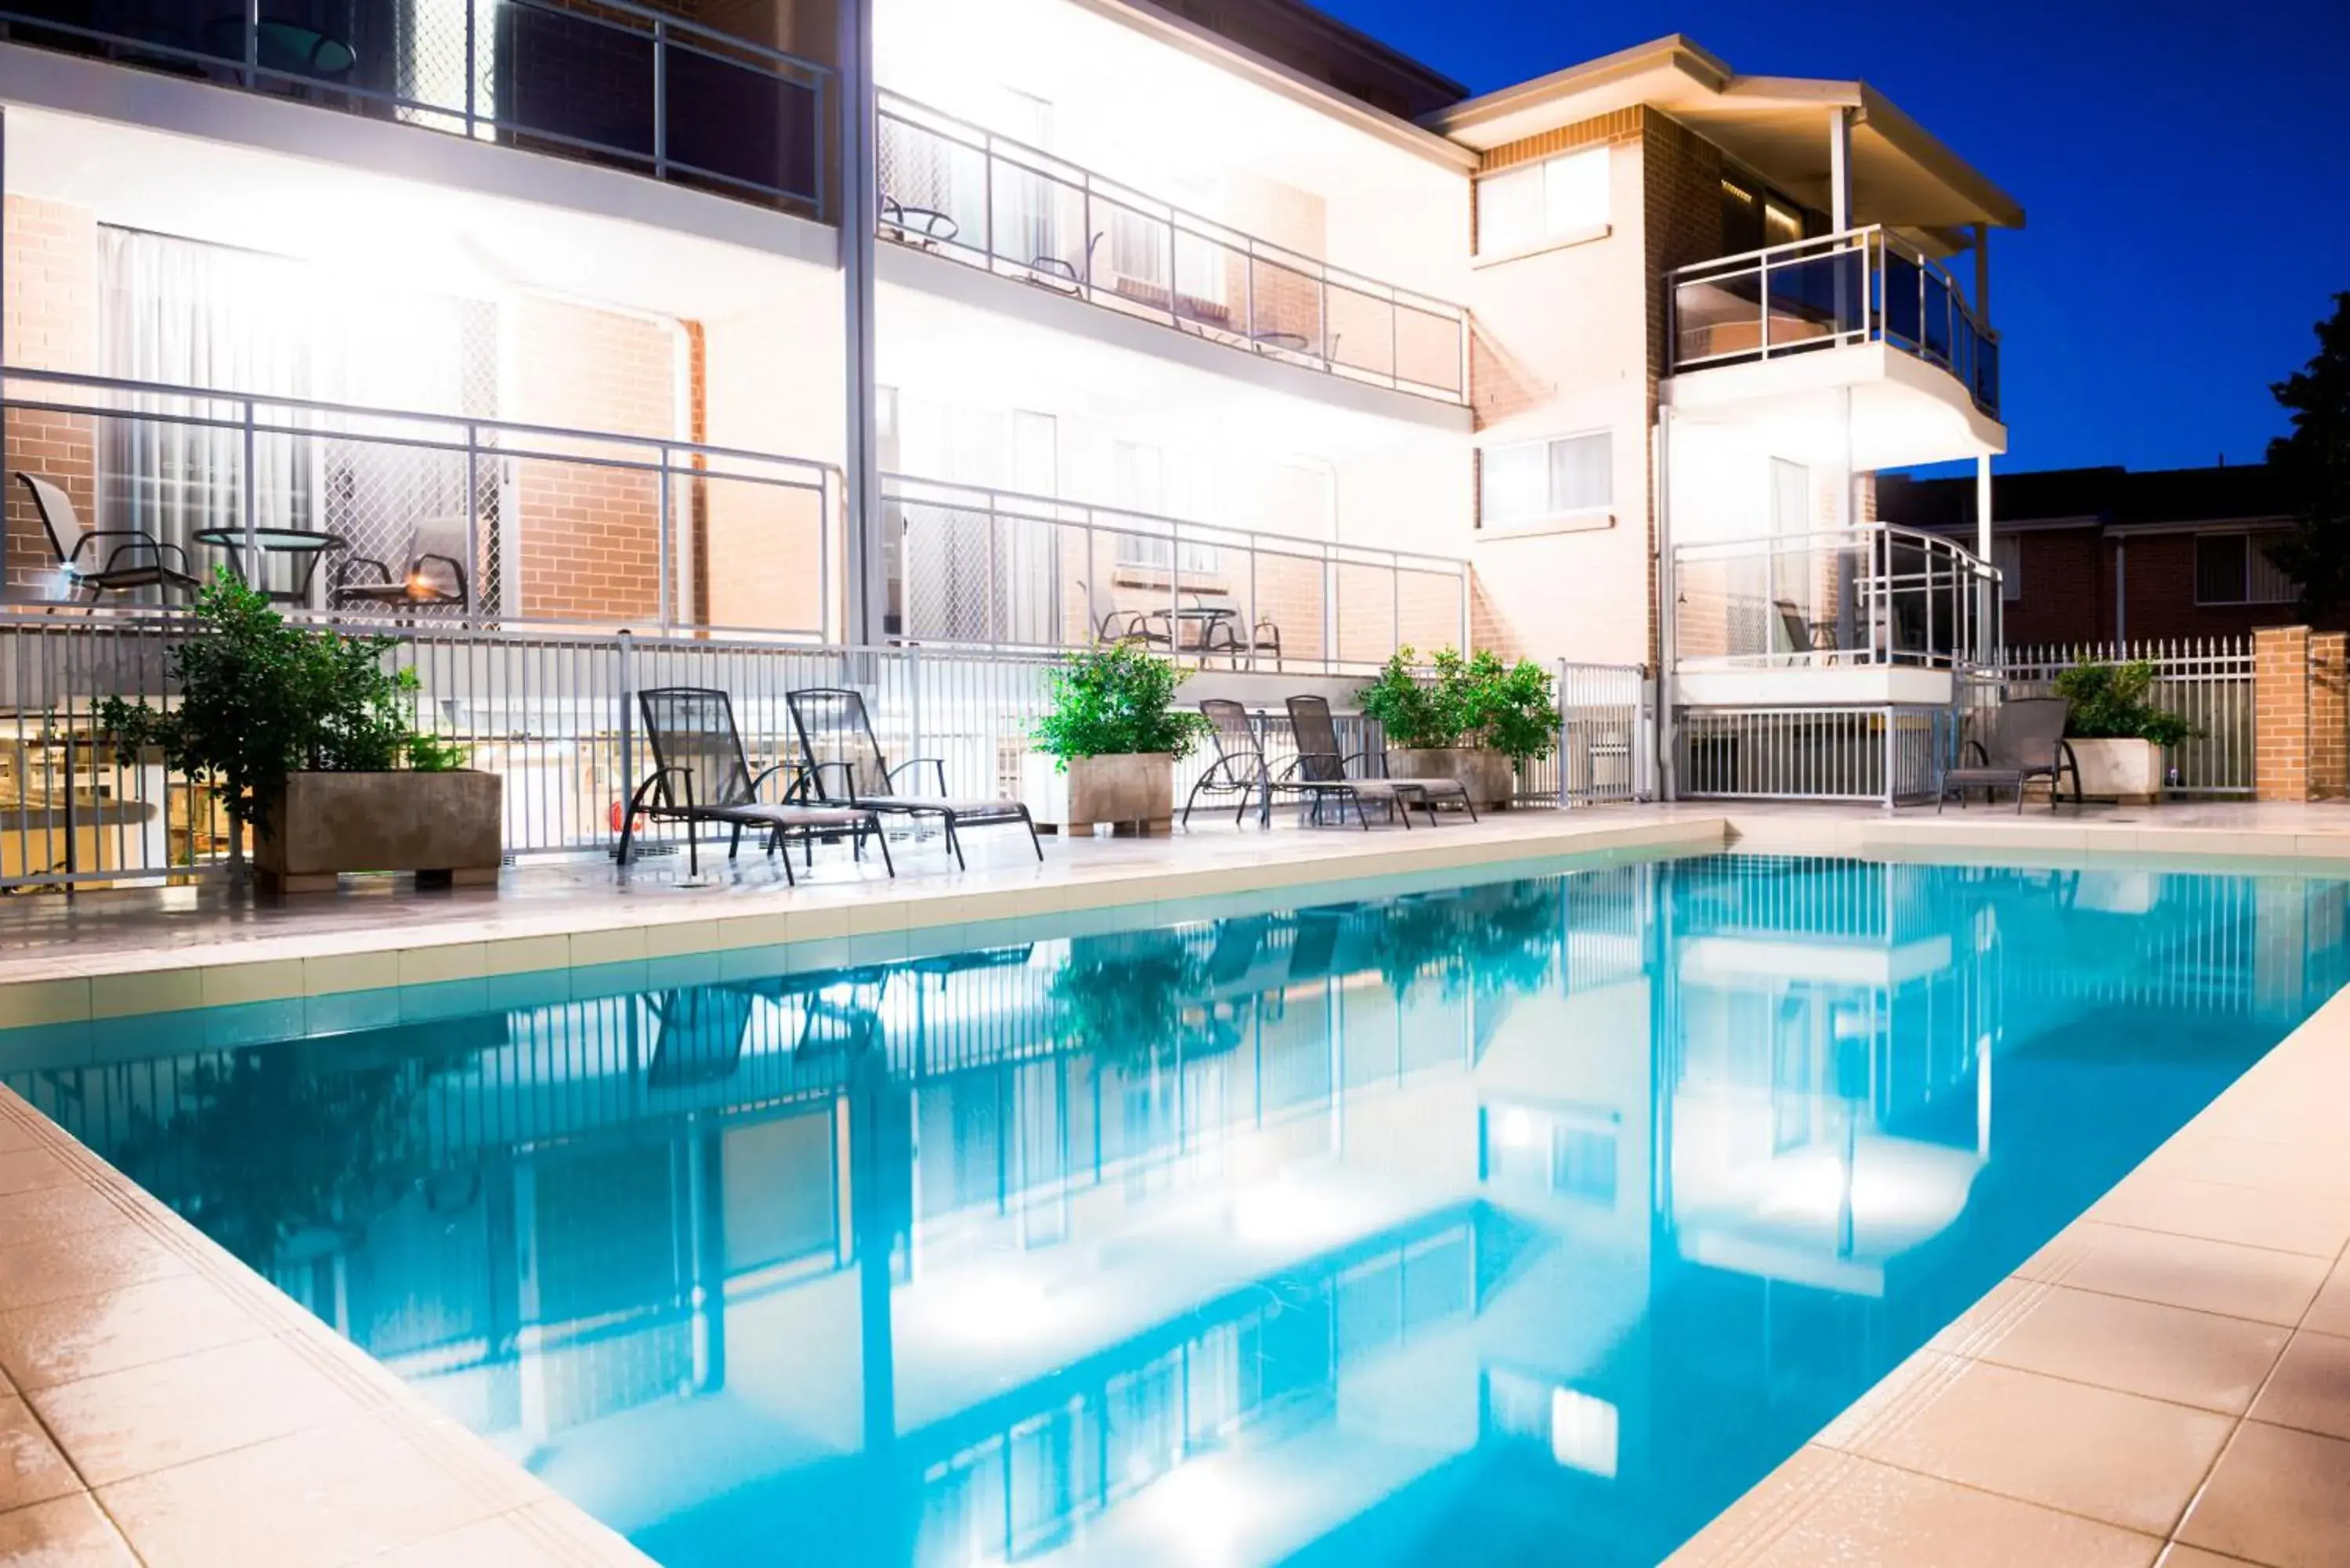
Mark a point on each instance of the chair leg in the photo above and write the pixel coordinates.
(734, 845)
(1034, 843)
(783, 846)
(954, 842)
(883, 840)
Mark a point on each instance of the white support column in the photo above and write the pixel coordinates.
(1986, 648)
(1840, 171)
(866, 555)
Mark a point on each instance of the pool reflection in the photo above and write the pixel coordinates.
(1546, 1214)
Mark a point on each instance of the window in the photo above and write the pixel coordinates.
(2007, 555)
(2232, 569)
(1533, 480)
(1522, 207)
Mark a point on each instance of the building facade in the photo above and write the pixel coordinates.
(915, 320)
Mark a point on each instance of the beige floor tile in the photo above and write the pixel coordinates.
(70, 1532)
(2180, 1556)
(2311, 1389)
(34, 1471)
(501, 1543)
(2330, 1312)
(146, 1418)
(1850, 1513)
(2255, 1283)
(2289, 1222)
(2278, 1497)
(90, 1263)
(2316, 1169)
(2114, 1457)
(252, 980)
(2138, 1347)
(24, 1170)
(44, 1213)
(315, 1499)
(87, 1337)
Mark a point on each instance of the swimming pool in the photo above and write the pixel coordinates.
(1544, 1214)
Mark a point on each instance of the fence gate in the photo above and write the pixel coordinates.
(1607, 738)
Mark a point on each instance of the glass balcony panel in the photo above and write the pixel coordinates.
(1718, 317)
(1286, 309)
(1935, 344)
(1813, 299)
(1837, 599)
(574, 78)
(734, 123)
(1362, 331)
(1904, 300)
(1427, 349)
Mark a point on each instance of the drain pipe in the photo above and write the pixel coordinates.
(1668, 773)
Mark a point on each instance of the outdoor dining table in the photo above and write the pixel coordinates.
(307, 544)
(1205, 618)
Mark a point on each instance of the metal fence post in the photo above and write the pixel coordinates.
(660, 99)
(624, 682)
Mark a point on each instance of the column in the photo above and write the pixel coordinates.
(2281, 712)
(868, 587)
(1987, 593)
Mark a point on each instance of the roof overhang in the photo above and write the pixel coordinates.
(1778, 126)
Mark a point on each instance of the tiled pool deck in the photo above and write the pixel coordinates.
(2168, 1381)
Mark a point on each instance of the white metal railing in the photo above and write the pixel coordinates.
(995, 568)
(559, 526)
(1863, 286)
(613, 81)
(2207, 681)
(1886, 755)
(959, 191)
(1607, 737)
(1874, 595)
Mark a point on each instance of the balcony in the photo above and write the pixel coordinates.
(989, 568)
(955, 190)
(1864, 286)
(609, 82)
(1869, 614)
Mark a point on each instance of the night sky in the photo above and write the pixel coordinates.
(2184, 171)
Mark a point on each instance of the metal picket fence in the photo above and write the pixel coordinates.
(2205, 680)
(1606, 739)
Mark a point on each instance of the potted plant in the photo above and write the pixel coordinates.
(304, 736)
(2117, 733)
(1108, 745)
(1476, 720)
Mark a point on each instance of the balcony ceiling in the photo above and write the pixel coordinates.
(1902, 176)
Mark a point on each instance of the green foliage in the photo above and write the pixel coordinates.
(2110, 702)
(1498, 939)
(260, 698)
(1125, 996)
(1115, 701)
(1475, 702)
(2312, 467)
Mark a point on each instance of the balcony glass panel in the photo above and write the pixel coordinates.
(1834, 599)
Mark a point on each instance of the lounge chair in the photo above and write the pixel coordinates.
(846, 768)
(2020, 741)
(1240, 769)
(700, 774)
(1319, 760)
(136, 560)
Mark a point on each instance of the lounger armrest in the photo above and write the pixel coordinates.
(1304, 757)
(653, 781)
(1982, 758)
(1364, 757)
(798, 787)
(813, 776)
(936, 764)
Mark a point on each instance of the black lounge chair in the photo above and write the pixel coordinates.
(844, 767)
(139, 561)
(1319, 760)
(1240, 769)
(2021, 739)
(700, 774)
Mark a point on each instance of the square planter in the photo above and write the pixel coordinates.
(444, 827)
(2130, 772)
(1486, 776)
(1135, 792)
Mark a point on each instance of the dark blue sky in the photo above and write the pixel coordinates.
(2184, 170)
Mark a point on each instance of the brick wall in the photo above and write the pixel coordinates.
(2301, 713)
(48, 314)
(2329, 715)
(588, 538)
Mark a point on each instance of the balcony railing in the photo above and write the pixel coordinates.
(960, 191)
(1860, 286)
(525, 524)
(606, 80)
(995, 569)
(1840, 598)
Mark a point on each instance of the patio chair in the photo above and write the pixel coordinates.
(1113, 625)
(700, 774)
(1231, 636)
(1320, 760)
(698, 1034)
(1240, 769)
(845, 767)
(1802, 636)
(2020, 741)
(432, 574)
(70, 539)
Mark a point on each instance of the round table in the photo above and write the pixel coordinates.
(919, 225)
(271, 541)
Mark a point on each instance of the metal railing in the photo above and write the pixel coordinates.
(994, 569)
(1863, 286)
(609, 80)
(1607, 735)
(2207, 681)
(1886, 755)
(958, 190)
(559, 527)
(1874, 595)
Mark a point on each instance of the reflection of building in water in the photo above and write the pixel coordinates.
(1230, 1240)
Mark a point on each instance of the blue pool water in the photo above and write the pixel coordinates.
(1529, 1221)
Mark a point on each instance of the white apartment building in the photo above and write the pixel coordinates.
(1000, 323)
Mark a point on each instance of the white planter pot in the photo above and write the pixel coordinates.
(1135, 792)
(2130, 772)
(1486, 776)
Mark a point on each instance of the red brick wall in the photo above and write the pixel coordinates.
(2072, 587)
(49, 313)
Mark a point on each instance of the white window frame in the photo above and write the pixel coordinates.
(1558, 221)
(1552, 512)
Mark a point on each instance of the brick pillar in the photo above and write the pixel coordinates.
(2301, 712)
(2329, 715)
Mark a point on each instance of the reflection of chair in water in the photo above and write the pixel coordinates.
(1234, 954)
(698, 1034)
(840, 1011)
(945, 964)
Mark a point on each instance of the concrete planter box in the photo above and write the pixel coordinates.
(1135, 792)
(1486, 776)
(2127, 771)
(445, 827)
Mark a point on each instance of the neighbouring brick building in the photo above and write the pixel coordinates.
(2106, 554)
